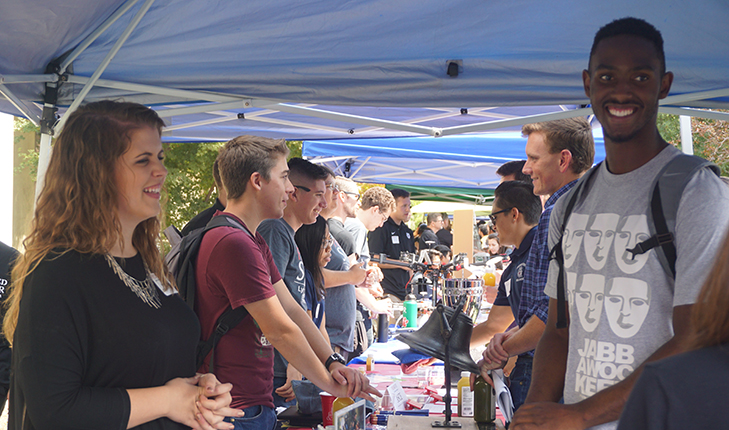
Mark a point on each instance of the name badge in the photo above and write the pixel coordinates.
(507, 287)
(396, 240)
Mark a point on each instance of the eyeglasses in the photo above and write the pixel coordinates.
(317, 194)
(384, 216)
(327, 242)
(492, 217)
(333, 187)
(356, 195)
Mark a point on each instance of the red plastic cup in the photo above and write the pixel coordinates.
(327, 403)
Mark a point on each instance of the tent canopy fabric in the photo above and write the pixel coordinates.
(468, 162)
(320, 69)
(471, 196)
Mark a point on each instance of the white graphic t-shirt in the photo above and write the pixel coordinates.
(621, 307)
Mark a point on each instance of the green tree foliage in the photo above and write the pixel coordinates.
(190, 187)
(711, 141)
(710, 138)
(29, 158)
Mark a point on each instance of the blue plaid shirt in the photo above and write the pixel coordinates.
(533, 299)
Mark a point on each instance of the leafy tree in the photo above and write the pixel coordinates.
(190, 187)
(710, 138)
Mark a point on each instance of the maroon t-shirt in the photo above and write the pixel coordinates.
(233, 268)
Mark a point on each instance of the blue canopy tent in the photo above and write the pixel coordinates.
(467, 162)
(320, 69)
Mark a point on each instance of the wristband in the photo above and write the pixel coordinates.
(334, 357)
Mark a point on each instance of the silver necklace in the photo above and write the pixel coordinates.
(145, 290)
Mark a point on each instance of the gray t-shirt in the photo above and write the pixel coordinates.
(621, 308)
(341, 302)
(280, 239)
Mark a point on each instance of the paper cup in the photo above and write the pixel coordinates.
(327, 414)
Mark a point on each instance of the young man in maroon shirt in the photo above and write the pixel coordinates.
(235, 268)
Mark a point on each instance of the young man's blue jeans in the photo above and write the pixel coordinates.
(520, 379)
(255, 418)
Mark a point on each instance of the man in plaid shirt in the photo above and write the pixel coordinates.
(558, 153)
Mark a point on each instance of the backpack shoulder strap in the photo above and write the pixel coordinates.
(556, 252)
(230, 317)
(668, 187)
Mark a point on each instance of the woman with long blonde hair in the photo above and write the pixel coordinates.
(689, 390)
(100, 338)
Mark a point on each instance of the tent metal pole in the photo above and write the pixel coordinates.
(687, 143)
(698, 113)
(46, 124)
(360, 167)
(27, 79)
(105, 63)
(95, 34)
(689, 97)
(192, 96)
(492, 125)
(336, 116)
(19, 105)
(204, 108)
(262, 118)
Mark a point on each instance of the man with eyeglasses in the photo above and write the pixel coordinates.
(304, 205)
(428, 239)
(515, 215)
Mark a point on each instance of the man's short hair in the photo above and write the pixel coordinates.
(520, 195)
(514, 168)
(243, 156)
(303, 169)
(399, 193)
(484, 229)
(444, 250)
(433, 217)
(378, 196)
(572, 134)
(346, 185)
(632, 27)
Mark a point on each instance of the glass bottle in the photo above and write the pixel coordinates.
(484, 406)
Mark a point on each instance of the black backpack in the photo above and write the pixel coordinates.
(181, 262)
(667, 191)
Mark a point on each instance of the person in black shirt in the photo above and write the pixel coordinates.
(428, 239)
(8, 255)
(391, 239)
(100, 338)
(445, 235)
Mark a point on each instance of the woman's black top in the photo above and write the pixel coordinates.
(84, 337)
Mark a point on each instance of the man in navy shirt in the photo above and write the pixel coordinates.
(515, 213)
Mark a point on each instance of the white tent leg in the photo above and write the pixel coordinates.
(44, 156)
(687, 143)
